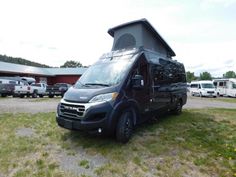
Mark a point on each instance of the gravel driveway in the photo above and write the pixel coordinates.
(196, 102)
(29, 105)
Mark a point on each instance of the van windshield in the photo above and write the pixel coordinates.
(208, 86)
(105, 73)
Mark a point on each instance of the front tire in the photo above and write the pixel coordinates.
(124, 129)
(178, 108)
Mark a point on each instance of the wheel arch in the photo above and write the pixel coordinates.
(119, 109)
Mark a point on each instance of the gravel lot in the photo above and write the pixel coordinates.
(29, 105)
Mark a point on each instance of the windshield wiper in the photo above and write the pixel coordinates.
(100, 84)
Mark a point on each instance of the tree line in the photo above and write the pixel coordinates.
(74, 64)
(207, 76)
(21, 61)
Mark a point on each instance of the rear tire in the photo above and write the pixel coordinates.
(51, 96)
(35, 94)
(200, 94)
(3, 95)
(124, 129)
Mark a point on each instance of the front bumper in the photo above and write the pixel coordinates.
(209, 94)
(84, 116)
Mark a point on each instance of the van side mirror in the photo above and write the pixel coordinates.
(137, 82)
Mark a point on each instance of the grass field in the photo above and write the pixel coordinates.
(196, 143)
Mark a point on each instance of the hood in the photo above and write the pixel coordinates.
(84, 94)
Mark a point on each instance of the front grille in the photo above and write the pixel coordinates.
(210, 91)
(72, 111)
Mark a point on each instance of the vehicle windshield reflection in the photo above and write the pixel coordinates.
(208, 86)
(105, 73)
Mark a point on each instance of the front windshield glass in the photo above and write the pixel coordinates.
(108, 73)
(208, 85)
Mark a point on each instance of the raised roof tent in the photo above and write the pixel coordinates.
(139, 33)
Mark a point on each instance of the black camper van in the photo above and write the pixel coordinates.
(126, 86)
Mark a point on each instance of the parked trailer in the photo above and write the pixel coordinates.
(225, 87)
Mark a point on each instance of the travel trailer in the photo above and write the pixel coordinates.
(136, 80)
(202, 89)
(225, 87)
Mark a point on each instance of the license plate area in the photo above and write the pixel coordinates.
(68, 124)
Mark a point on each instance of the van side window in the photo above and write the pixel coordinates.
(199, 86)
(234, 86)
(173, 72)
(141, 69)
(12, 82)
(194, 85)
(157, 74)
(222, 84)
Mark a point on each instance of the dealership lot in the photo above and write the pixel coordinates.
(29, 132)
(29, 105)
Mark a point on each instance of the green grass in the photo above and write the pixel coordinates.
(196, 143)
(222, 99)
(84, 163)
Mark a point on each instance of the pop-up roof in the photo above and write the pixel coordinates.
(139, 33)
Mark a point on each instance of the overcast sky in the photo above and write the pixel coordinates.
(201, 32)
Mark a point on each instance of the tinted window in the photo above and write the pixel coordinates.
(234, 86)
(194, 86)
(12, 82)
(208, 85)
(173, 72)
(36, 85)
(125, 41)
(158, 74)
(222, 83)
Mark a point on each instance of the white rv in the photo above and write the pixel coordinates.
(203, 88)
(225, 87)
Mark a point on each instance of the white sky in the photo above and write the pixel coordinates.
(201, 32)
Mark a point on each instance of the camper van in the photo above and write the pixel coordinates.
(202, 89)
(225, 87)
(126, 86)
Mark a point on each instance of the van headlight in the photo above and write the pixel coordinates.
(104, 97)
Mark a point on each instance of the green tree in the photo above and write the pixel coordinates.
(190, 76)
(71, 64)
(229, 74)
(205, 76)
(21, 61)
